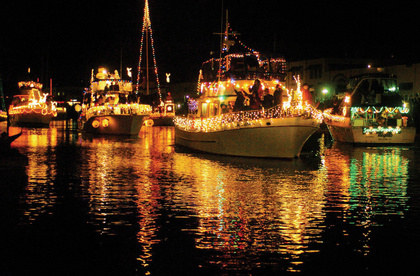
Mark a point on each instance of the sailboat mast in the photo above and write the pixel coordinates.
(221, 46)
(146, 38)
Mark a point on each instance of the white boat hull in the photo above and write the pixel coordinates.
(31, 119)
(352, 134)
(272, 138)
(113, 124)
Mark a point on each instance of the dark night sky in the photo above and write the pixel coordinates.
(65, 39)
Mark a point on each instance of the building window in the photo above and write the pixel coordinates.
(406, 86)
(315, 72)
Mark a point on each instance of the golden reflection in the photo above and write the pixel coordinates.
(251, 211)
(238, 209)
(38, 144)
(106, 170)
(124, 171)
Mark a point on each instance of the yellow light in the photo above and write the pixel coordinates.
(96, 124)
(347, 99)
(105, 122)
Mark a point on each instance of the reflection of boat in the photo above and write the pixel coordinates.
(3, 112)
(372, 113)
(31, 107)
(3, 115)
(110, 106)
(213, 126)
(10, 156)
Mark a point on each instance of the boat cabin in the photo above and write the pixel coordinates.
(376, 90)
(375, 101)
(238, 72)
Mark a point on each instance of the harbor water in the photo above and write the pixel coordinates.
(113, 205)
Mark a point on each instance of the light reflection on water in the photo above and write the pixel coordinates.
(244, 214)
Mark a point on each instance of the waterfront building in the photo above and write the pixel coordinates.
(327, 77)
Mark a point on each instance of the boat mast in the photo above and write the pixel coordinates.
(146, 32)
(147, 61)
(221, 46)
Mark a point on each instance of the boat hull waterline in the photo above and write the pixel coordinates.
(274, 138)
(356, 135)
(114, 124)
(30, 119)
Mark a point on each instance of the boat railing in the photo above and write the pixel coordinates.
(371, 116)
(43, 108)
(119, 109)
(243, 119)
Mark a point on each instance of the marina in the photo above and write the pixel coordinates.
(183, 150)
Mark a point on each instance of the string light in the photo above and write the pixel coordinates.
(381, 130)
(289, 109)
(132, 108)
(244, 118)
(147, 28)
(35, 102)
(360, 111)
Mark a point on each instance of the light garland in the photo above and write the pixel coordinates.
(333, 118)
(373, 109)
(381, 130)
(147, 26)
(242, 119)
(119, 109)
(34, 102)
(30, 84)
(291, 108)
(240, 42)
(37, 109)
(362, 111)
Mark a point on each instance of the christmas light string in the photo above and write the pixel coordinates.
(293, 107)
(252, 118)
(147, 26)
(36, 103)
(118, 109)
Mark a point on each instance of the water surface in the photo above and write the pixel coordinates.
(141, 206)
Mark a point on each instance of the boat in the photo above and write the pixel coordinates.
(213, 125)
(31, 107)
(163, 114)
(372, 112)
(110, 106)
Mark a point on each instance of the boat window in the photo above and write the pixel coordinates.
(389, 85)
(252, 63)
(204, 109)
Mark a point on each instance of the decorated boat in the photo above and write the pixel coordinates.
(163, 114)
(371, 113)
(31, 107)
(221, 121)
(111, 106)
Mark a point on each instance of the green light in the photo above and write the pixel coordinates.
(374, 130)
